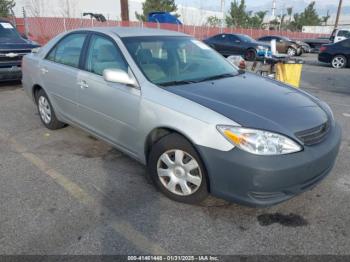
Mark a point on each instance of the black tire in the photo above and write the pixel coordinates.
(177, 142)
(300, 52)
(54, 123)
(250, 55)
(340, 64)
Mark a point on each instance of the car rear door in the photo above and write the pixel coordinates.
(110, 110)
(59, 72)
(236, 46)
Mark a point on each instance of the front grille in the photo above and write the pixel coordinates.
(314, 135)
(20, 53)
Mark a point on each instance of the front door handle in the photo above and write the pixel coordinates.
(83, 84)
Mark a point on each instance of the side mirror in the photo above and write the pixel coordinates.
(118, 76)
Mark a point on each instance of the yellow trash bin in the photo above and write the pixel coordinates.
(289, 72)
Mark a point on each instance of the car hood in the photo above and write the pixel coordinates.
(257, 102)
(16, 44)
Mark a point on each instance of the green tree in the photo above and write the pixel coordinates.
(308, 17)
(6, 7)
(156, 5)
(256, 20)
(213, 21)
(238, 16)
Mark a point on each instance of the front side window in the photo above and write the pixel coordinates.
(68, 50)
(103, 54)
(186, 59)
(245, 38)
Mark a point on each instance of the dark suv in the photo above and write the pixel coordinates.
(12, 49)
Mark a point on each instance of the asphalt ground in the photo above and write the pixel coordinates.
(64, 192)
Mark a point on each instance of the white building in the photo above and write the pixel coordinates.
(109, 8)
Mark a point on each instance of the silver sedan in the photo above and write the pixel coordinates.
(199, 124)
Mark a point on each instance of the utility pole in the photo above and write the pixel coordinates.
(223, 13)
(124, 8)
(338, 14)
(273, 15)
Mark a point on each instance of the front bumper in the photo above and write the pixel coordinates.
(254, 180)
(12, 73)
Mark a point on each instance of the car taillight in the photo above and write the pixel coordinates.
(323, 48)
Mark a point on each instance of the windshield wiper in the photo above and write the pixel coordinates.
(216, 77)
(175, 83)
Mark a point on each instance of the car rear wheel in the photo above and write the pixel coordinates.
(250, 55)
(177, 170)
(339, 61)
(291, 51)
(46, 112)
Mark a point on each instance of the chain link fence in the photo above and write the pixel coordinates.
(42, 29)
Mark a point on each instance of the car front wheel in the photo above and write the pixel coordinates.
(177, 170)
(291, 51)
(46, 112)
(339, 61)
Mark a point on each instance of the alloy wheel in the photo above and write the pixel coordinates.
(291, 51)
(179, 172)
(44, 109)
(338, 62)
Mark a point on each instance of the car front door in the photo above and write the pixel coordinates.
(59, 72)
(110, 110)
(222, 44)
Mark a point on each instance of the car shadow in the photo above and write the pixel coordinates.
(10, 85)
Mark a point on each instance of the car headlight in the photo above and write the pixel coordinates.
(259, 142)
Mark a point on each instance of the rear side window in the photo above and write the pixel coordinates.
(68, 50)
(265, 39)
(103, 54)
(344, 33)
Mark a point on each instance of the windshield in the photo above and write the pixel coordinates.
(8, 31)
(246, 39)
(168, 60)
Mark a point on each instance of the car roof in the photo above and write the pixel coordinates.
(133, 31)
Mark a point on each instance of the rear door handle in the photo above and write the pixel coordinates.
(44, 71)
(83, 84)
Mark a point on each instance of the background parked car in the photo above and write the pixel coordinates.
(284, 44)
(237, 44)
(304, 46)
(336, 36)
(12, 48)
(338, 54)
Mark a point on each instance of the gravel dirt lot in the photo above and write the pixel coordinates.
(64, 192)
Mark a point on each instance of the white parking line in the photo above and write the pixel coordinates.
(121, 226)
(346, 114)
